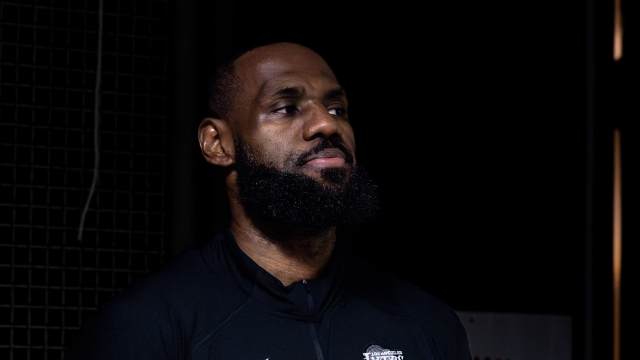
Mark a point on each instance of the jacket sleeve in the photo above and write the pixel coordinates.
(129, 330)
(449, 336)
(458, 344)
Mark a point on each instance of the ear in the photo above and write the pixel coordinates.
(216, 142)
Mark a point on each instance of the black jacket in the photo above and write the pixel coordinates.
(216, 303)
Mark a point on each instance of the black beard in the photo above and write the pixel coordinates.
(295, 202)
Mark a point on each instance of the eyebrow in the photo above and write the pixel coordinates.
(335, 94)
(289, 92)
(296, 92)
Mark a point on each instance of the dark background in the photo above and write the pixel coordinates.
(487, 125)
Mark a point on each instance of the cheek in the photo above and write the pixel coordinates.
(275, 151)
(349, 137)
(350, 142)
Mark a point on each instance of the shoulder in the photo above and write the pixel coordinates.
(400, 298)
(180, 279)
(194, 274)
(163, 311)
(157, 295)
(196, 280)
(194, 284)
(397, 295)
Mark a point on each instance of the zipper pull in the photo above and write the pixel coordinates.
(309, 297)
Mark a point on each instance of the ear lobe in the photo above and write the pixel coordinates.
(216, 142)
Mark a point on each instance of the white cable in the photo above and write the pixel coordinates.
(96, 122)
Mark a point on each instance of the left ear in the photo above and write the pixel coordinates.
(216, 142)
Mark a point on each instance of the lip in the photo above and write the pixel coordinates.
(327, 158)
(326, 162)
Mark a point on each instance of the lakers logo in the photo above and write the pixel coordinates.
(375, 352)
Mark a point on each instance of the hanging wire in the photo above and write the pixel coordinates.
(96, 121)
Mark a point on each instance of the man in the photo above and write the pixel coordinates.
(279, 284)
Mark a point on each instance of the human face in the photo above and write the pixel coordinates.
(293, 112)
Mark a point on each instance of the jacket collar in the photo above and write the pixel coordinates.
(305, 300)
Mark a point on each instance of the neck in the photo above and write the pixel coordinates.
(289, 255)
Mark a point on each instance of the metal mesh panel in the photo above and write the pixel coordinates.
(49, 280)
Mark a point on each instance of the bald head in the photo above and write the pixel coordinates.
(276, 57)
(283, 50)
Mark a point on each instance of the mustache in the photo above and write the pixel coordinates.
(328, 143)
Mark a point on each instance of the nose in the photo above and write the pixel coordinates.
(320, 124)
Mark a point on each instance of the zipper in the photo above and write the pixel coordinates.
(312, 327)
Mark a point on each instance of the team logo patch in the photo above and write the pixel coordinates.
(375, 352)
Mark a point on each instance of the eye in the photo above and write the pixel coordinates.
(286, 110)
(338, 111)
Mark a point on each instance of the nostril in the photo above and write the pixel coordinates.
(321, 127)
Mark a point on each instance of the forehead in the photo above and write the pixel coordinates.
(263, 72)
(318, 84)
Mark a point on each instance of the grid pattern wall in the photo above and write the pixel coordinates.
(50, 281)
